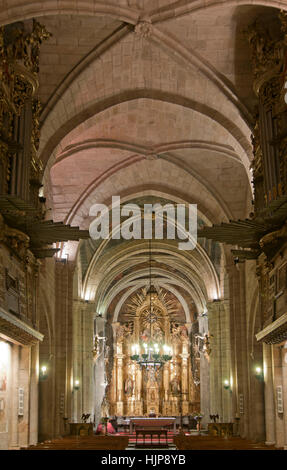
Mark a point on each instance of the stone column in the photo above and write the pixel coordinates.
(87, 360)
(269, 395)
(33, 412)
(76, 402)
(204, 375)
(99, 386)
(220, 398)
(215, 369)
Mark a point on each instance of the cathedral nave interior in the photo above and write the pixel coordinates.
(170, 103)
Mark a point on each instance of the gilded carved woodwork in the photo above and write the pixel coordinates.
(274, 236)
(268, 56)
(264, 231)
(19, 67)
(16, 240)
(20, 167)
(138, 391)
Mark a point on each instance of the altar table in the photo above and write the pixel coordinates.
(152, 423)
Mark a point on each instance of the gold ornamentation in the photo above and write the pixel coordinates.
(14, 239)
(274, 237)
(19, 67)
(267, 54)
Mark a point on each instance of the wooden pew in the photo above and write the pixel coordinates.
(84, 443)
(183, 442)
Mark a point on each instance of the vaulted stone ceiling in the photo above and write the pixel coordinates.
(125, 81)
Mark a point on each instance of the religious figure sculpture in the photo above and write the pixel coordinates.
(105, 407)
(129, 386)
(175, 330)
(145, 336)
(206, 345)
(174, 386)
(96, 349)
(183, 331)
(158, 334)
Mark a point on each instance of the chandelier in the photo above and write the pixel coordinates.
(151, 354)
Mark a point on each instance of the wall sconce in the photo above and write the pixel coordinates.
(226, 384)
(43, 373)
(76, 385)
(259, 374)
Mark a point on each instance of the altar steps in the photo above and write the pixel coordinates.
(153, 447)
(149, 443)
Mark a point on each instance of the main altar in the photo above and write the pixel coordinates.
(152, 423)
(136, 391)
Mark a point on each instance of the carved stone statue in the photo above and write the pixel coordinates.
(175, 386)
(129, 386)
(175, 330)
(158, 334)
(105, 407)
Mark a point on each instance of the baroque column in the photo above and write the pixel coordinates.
(119, 358)
(184, 376)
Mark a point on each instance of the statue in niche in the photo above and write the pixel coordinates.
(124, 330)
(128, 329)
(178, 330)
(183, 332)
(145, 335)
(175, 386)
(120, 331)
(129, 386)
(158, 334)
(153, 376)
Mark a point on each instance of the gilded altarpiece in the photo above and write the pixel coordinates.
(165, 391)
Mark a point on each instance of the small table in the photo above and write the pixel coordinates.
(151, 433)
